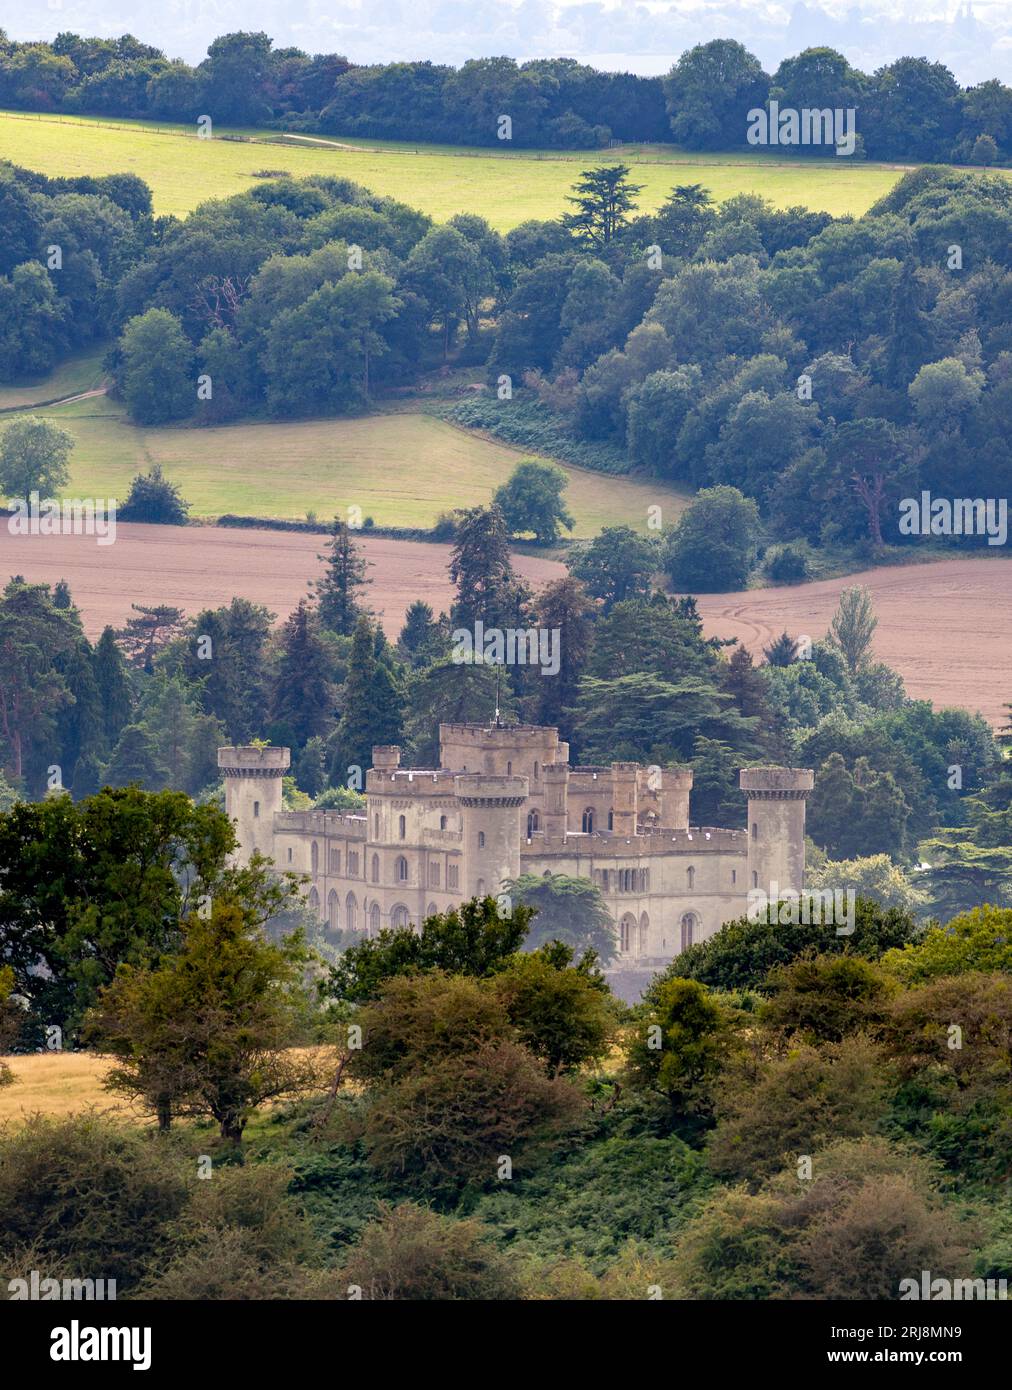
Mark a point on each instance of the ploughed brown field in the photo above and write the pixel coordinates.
(197, 567)
(945, 626)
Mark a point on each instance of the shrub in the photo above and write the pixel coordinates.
(411, 1253)
(153, 498)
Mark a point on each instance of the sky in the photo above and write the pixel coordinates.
(644, 37)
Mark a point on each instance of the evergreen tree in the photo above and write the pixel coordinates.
(302, 696)
(422, 639)
(147, 634)
(563, 605)
(372, 703)
(80, 725)
(61, 595)
(783, 651)
(344, 575)
(113, 682)
(604, 198)
(135, 759)
(481, 568)
(223, 652)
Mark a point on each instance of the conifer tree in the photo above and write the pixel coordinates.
(303, 696)
(336, 593)
(113, 682)
(373, 706)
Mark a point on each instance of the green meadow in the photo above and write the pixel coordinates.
(507, 187)
(402, 468)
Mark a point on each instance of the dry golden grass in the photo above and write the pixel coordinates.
(65, 1083)
(58, 1083)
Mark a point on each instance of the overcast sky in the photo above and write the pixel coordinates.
(642, 37)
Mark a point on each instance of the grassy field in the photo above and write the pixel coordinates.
(58, 1083)
(505, 186)
(402, 469)
(81, 372)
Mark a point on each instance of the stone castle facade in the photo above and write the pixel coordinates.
(504, 801)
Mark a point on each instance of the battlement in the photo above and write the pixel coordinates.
(248, 760)
(776, 783)
(481, 789)
(322, 823)
(654, 842)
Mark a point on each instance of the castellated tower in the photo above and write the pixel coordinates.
(253, 794)
(491, 813)
(776, 825)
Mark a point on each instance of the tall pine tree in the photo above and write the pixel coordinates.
(302, 696)
(336, 593)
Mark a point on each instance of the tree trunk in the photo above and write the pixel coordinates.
(163, 1109)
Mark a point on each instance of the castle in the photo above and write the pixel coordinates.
(503, 802)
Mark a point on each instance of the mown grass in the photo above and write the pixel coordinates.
(401, 468)
(506, 186)
(80, 372)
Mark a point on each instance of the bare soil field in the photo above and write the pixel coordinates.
(202, 567)
(946, 626)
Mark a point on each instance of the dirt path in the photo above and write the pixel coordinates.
(946, 627)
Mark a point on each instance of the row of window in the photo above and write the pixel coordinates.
(370, 917)
(634, 935)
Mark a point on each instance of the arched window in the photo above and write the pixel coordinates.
(402, 869)
(375, 868)
(626, 933)
(755, 831)
(509, 768)
(314, 858)
(399, 917)
(588, 821)
(533, 823)
(481, 839)
(690, 877)
(537, 770)
(256, 809)
(402, 826)
(314, 902)
(332, 921)
(755, 879)
(374, 919)
(442, 822)
(644, 932)
(431, 910)
(690, 929)
(481, 888)
(611, 820)
(376, 825)
(351, 912)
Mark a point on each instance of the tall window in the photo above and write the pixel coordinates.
(532, 823)
(375, 868)
(402, 869)
(374, 919)
(442, 822)
(402, 826)
(314, 858)
(690, 924)
(256, 809)
(351, 912)
(690, 877)
(332, 910)
(399, 916)
(481, 839)
(588, 821)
